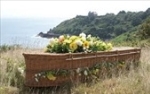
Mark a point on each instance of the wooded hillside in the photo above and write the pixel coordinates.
(106, 26)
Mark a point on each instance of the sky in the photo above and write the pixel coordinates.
(67, 9)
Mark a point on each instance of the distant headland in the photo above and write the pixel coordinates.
(47, 35)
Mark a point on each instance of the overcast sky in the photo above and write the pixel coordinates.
(67, 9)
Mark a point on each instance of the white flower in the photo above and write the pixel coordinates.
(78, 70)
(85, 73)
(61, 38)
(82, 35)
(21, 70)
(36, 75)
(44, 76)
(79, 42)
(39, 74)
(91, 43)
(52, 40)
(68, 36)
(36, 79)
(89, 36)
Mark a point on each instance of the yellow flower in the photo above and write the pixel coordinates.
(50, 76)
(73, 38)
(83, 39)
(103, 44)
(67, 41)
(86, 44)
(81, 43)
(73, 46)
(109, 46)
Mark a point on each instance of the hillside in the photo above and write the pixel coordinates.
(138, 36)
(106, 27)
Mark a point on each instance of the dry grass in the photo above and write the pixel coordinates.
(134, 82)
(9, 90)
(12, 65)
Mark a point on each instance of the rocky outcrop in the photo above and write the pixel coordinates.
(47, 35)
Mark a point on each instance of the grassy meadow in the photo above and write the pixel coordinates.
(12, 66)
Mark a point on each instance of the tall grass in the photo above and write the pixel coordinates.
(135, 81)
(5, 48)
(12, 66)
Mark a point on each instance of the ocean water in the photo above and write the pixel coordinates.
(23, 31)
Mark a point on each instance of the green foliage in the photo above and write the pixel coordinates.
(145, 29)
(89, 73)
(106, 26)
(138, 36)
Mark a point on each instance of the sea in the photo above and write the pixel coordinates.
(23, 31)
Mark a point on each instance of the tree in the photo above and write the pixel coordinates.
(136, 21)
(145, 29)
(146, 13)
(92, 15)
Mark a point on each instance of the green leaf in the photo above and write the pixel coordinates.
(50, 76)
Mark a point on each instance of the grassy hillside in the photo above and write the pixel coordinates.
(138, 36)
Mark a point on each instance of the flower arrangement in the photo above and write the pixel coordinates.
(88, 72)
(75, 44)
